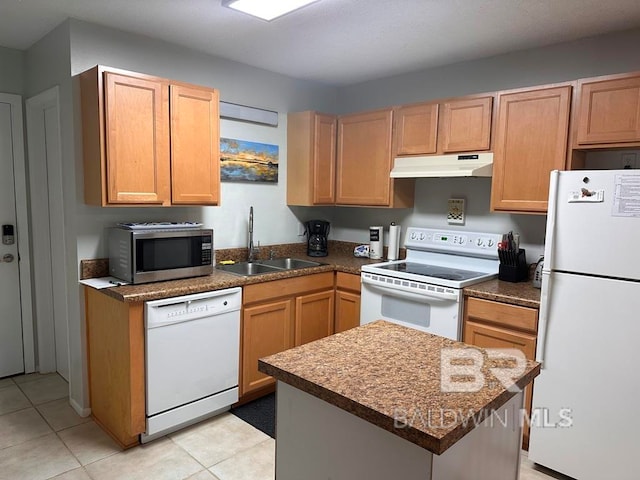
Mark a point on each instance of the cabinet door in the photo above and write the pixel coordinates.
(531, 140)
(137, 140)
(466, 125)
(324, 159)
(347, 310)
(609, 111)
(364, 159)
(314, 317)
(195, 146)
(266, 329)
(416, 129)
(311, 161)
(488, 336)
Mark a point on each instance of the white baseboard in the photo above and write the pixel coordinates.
(83, 412)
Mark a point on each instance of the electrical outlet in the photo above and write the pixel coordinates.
(455, 214)
(629, 160)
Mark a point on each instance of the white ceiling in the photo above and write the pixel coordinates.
(336, 42)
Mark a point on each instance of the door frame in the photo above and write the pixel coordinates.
(45, 176)
(22, 227)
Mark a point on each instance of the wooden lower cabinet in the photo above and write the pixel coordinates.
(267, 329)
(279, 315)
(115, 351)
(314, 317)
(489, 324)
(347, 301)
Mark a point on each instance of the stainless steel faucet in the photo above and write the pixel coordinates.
(252, 250)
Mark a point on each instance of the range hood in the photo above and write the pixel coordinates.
(462, 165)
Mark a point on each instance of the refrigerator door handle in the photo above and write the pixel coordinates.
(552, 208)
(543, 318)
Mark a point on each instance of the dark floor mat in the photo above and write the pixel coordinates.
(260, 413)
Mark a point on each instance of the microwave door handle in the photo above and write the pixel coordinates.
(424, 297)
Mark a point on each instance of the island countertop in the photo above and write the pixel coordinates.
(390, 376)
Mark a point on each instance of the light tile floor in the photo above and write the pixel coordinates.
(42, 437)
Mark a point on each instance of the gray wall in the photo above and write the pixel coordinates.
(600, 55)
(11, 71)
(47, 65)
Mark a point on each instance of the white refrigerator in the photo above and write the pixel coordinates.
(586, 415)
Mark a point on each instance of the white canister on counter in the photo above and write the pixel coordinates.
(375, 242)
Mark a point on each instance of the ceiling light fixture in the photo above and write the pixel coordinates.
(266, 9)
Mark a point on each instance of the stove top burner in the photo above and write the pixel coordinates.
(432, 271)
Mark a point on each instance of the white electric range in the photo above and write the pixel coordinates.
(424, 290)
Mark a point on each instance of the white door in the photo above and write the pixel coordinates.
(11, 340)
(47, 229)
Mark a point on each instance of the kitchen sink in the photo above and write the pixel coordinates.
(289, 263)
(267, 266)
(248, 268)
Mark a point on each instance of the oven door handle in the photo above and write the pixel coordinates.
(398, 291)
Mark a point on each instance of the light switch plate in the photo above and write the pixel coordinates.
(455, 214)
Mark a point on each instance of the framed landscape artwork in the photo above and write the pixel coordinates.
(242, 161)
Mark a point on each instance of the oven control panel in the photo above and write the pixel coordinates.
(470, 243)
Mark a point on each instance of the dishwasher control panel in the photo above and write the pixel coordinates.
(191, 307)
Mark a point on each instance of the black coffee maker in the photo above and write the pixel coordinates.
(317, 232)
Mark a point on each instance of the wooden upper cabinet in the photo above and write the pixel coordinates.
(144, 146)
(195, 146)
(416, 128)
(531, 140)
(131, 158)
(455, 125)
(311, 158)
(136, 139)
(466, 125)
(364, 159)
(609, 110)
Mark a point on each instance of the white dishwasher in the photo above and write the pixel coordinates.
(192, 358)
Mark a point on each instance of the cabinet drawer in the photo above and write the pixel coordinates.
(512, 316)
(260, 292)
(348, 281)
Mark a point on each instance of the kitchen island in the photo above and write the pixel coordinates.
(371, 403)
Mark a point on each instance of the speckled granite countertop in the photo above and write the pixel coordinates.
(340, 259)
(383, 372)
(520, 293)
(220, 279)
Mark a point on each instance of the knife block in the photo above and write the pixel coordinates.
(513, 266)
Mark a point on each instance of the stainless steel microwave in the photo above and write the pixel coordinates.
(142, 256)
